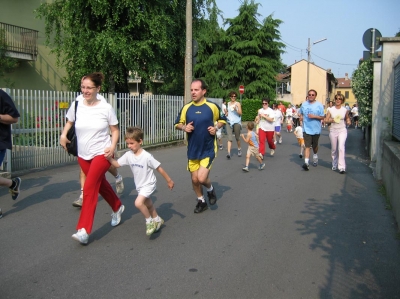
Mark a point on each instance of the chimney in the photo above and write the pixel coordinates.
(346, 76)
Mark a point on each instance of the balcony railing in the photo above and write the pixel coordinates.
(21, 42)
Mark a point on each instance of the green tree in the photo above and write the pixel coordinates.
(362, 84)
(7, 64)
(397, 34)
(118, 36)
(247, 53)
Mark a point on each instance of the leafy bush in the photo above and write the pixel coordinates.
(362, 81)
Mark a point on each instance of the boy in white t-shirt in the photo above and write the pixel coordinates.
(298, 132)
(142, 165)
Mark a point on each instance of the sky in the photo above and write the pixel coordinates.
(341, 22)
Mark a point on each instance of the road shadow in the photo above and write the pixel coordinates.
(343, 221)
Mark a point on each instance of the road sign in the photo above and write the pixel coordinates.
(241, 89)
(370, 39)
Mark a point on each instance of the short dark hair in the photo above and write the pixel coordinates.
(232, 93)
(313, 91)
(265, 100)
(203, 83)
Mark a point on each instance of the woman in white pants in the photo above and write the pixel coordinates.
(338, 116)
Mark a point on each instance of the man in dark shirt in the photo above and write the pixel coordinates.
(8, 115)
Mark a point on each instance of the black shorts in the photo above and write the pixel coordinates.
(311, 140)
(355, 118)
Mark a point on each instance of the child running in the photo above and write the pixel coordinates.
(252, 139)
(298, 132)
(142, 165)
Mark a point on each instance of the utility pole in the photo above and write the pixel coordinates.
(308, 62)
(308, 67)
(188, 53)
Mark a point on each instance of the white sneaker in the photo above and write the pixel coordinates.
(280, 139)
(272, 152)
(81, 236)
(119, 183)
(116, 216)
(158, 224)
(315, 161)
(79, 202)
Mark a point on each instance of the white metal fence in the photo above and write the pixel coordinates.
(36, 135)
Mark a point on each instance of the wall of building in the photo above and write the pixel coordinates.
(42, 74)
(317, 81)
(381, 128)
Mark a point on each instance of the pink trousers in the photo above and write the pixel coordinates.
(95, 183)
(338, 139)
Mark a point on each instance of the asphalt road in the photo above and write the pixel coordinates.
(277, 233)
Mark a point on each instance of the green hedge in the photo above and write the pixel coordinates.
(250, 108)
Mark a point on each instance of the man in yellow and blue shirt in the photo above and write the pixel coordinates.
(197, 119)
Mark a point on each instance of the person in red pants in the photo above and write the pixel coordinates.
(94, 120)
(266, 127)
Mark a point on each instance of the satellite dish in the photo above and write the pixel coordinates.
(367, 39)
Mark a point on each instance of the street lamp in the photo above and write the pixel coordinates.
(308, 60)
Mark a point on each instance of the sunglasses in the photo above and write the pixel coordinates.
(265, 103)
(311, 95)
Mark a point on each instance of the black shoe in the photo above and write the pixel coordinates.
(301, 156)
(212, 197)
(15, 191)
(200, 207)
(228, 156)
(342, 171)
(306, 167)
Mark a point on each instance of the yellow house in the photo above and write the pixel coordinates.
(321, 80)
(344, 87)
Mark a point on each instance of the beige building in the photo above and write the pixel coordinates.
(344, 87)
(321, 80)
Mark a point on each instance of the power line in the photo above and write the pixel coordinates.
(333, 61)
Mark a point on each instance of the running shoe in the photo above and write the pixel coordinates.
(342, 171)
(81, 236)
(116, 216)
(212, 197)
(150, 227)
(200, 207)
(119, 184)
(228, 156)
(315, 161)
(79, 202)
(272, 152)
(262, 166)
(245, 169)
(306, 167)
(239, 153)
(158, 224)
(15, 191)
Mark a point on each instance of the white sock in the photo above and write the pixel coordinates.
(201, 198)
(157, 219)
(211, 188)
(148, 220)
(306, 160)
(315, 156)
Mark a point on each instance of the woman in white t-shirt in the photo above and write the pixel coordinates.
(278, 123)
(95, 121)
(338, 116)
